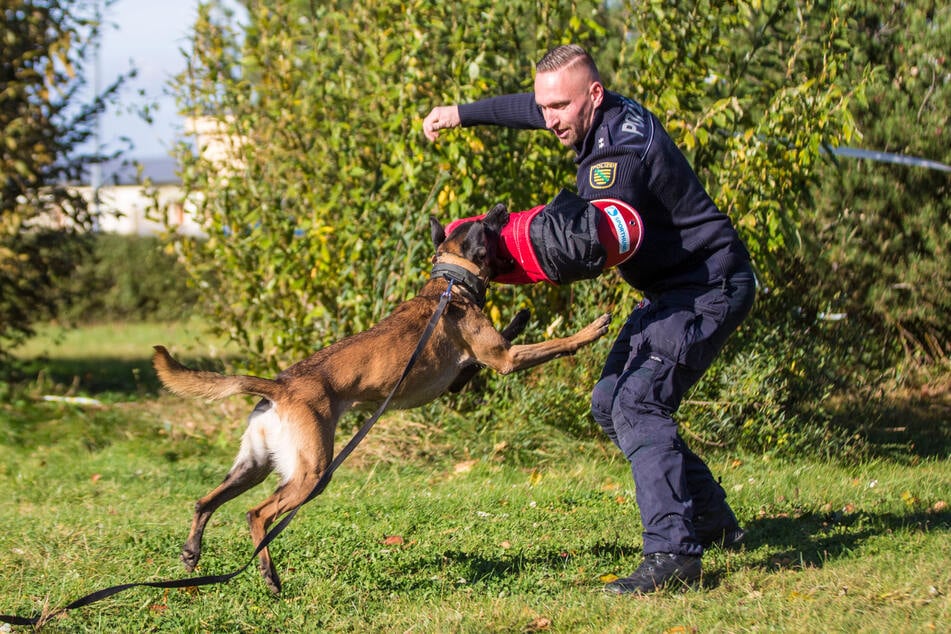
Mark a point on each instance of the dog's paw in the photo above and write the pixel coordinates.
(189, 559)
(271, 578)
(598, 328)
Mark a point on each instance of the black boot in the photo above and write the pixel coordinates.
(718, 528)
(658, 570)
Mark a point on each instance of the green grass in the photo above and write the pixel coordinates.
(110, 359)
(95, 496)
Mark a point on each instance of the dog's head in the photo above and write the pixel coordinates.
(476, 241)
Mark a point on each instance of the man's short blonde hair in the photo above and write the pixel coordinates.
(564, 56)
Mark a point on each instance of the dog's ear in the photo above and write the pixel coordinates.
(474, 246)
(437, 231)
(497, 217)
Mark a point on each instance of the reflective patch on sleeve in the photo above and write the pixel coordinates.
(620, 228)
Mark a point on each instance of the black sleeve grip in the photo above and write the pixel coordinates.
(565, 239)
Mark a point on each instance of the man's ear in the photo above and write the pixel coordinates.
(596, 92)
(437, 231)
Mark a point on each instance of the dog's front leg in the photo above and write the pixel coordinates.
(510, 332)
(498, 354)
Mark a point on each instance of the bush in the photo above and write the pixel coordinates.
(318, 215)
(881, 231)
(126, 278)
(793, 378)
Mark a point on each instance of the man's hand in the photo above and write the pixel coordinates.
(440, 118)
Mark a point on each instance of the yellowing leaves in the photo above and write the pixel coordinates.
(495, 314)
(465, 466)
(538, 624)
(610, 485)
(909, 498)
(446, 196)
(535, 478)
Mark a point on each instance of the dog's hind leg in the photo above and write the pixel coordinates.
(287, 497)
(304, 451)
(251, 467)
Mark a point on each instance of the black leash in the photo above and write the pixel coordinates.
(322, 483)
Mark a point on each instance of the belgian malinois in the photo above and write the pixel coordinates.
(291, 430)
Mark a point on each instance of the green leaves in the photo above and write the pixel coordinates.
(317, 217)
(881, 230)
(317, 208)
(751, 91)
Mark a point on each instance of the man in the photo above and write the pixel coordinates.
(697, 282)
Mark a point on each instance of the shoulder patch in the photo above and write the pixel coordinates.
(602, 175)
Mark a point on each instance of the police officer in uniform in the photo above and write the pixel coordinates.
(688, 261)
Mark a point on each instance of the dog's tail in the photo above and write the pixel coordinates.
(209, 385)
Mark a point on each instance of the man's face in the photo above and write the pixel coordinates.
(568, 98)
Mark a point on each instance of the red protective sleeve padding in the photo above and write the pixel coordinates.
(515, 244)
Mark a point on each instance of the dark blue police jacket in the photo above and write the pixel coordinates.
(627, 154)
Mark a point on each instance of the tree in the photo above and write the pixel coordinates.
(882, 230)
(44, 47)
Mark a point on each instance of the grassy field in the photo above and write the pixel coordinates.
(416, 535)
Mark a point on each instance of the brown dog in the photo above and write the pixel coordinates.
(291, 430)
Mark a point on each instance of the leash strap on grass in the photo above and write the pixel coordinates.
(40, 619)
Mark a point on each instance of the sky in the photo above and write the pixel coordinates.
(147, 35)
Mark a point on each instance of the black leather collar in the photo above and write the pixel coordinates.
(468, 280)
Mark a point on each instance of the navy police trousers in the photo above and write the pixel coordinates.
(663, 349)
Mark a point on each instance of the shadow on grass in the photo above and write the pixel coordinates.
(809, 541)
(773, 544)
(904, 425)
(478, 568)
(99, 376)
(913, 426)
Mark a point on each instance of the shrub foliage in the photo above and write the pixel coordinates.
(317, 213)
(881, 230)
(127, 278)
